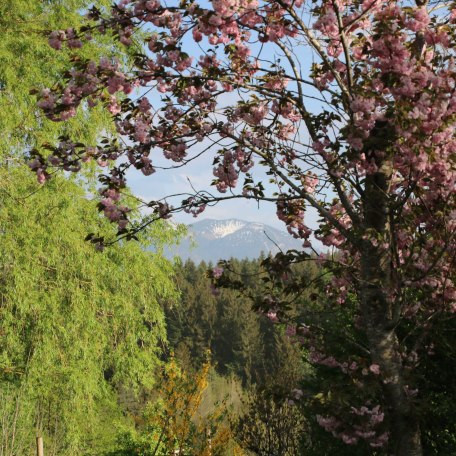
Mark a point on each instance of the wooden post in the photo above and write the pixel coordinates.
(39, 446)
(209, 441)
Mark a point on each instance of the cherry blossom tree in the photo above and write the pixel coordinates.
(349, 107)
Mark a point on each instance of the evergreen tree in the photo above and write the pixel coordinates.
(191, 322)
(238, 342)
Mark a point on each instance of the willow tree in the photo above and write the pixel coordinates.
(77, 327)
(349, 107)
(67, 340)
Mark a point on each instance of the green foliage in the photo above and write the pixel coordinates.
(269, 357)
(26, 62)
(77, 326)
(272, 420)
(248, 345)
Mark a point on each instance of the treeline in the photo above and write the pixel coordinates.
(287, 380)
(239, 372)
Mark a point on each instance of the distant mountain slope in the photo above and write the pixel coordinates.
(212, 240)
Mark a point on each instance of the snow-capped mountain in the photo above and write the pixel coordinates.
(212, 240)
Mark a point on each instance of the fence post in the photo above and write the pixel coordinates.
(209, 440)
(39, 446)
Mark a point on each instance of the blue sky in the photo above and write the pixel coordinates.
(199, 172)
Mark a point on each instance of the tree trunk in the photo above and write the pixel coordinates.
(380, 317)
(405, 432)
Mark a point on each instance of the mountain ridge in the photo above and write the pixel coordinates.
(211, 240)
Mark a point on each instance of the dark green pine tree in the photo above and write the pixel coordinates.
(237, 344)
(191, 324)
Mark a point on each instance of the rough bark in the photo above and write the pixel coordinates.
(380, 317)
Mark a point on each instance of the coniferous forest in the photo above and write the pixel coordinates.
(344, 109)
